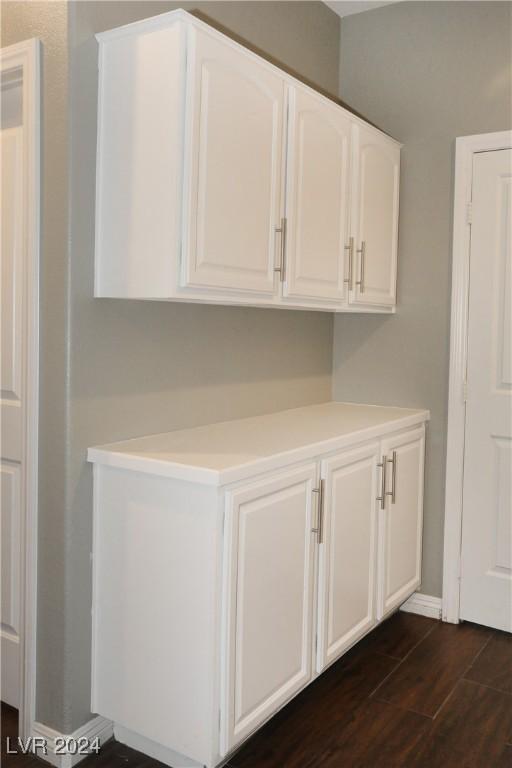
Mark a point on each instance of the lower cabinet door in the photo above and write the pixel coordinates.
(346, 605)
(401, 521)
(269, 589)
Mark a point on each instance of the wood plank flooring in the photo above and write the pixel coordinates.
(415, 693)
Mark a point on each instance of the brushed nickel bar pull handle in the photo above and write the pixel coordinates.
(382, 497)
(320, 525)
(392, 492)
(350, 249)
(282, 262)
(362, 251)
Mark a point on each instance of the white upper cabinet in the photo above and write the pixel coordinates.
(233, 149)
(222, 179)
(317, 197)
(375, 182)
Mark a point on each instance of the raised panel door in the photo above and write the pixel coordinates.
(346, 605)
(234, 152)
(270, 599)
(317, 191)
(376, 176)
(12, 403)
(486, 568)
(401, 520)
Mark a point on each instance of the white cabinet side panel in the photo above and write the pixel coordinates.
(156, 581)
(138, 187)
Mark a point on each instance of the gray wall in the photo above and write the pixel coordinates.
(115, 369)
(426, 73)
(20, 21)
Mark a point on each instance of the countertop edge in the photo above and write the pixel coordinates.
(213, 477)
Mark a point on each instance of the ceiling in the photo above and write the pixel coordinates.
(343, 8)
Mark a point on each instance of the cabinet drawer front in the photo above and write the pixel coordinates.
(234, 139)
(347, 557)
(269, 597)
(376, 176)
(401, 521)
(317, 197)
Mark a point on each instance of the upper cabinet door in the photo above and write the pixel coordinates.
(376, 175)
(401, 521)
(317, 189)
(233, 163)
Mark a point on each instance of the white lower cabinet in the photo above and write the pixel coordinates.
(347, 564)
(233, 564)
(270, 594)
(401, 520)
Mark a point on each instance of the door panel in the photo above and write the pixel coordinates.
(317, 197)
(346, 607)
(272, 576)
(11, 293)
(11, 403)
(486, 578)
(376, 176)
(235, 113)
(401, 522)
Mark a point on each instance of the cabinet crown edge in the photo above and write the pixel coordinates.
(167, 19)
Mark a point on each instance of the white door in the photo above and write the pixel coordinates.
(270, 606)
(317, 188)
(12, 402)
(486, 577)
(235, 153)
(346, 584)
(401, 519)
(375, 183)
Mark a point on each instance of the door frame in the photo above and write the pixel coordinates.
(465, 148)
(25, 57)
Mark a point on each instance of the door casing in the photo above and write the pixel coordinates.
(24, 59)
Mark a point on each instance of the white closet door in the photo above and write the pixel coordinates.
(346, 602)
(401, 522)
(317, 191)
(270, 604)
(376, 176)
(486, 578)
(234, 150)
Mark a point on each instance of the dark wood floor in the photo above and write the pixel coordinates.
(415, 693)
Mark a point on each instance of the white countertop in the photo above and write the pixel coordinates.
(228, 451)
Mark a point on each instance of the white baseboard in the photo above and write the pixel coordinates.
(152, 749)
(98, 728)
(425, 605)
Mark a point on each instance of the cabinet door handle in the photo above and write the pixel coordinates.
(360, 282)
(350, 249)
(392, 492)
(382, 497)
(282, 259)
(320, 507)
